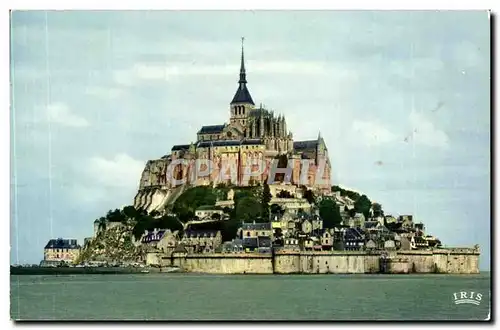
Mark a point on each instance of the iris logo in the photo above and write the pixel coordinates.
(464, 297)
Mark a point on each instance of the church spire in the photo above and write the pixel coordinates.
(243, 74)
(242, 94)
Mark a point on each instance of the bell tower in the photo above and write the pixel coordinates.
(242, 102)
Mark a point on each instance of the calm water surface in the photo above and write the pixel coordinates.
(247, 297)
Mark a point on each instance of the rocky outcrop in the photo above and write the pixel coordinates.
(115, 244)
(156, 199)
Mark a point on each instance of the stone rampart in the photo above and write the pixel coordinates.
(452, 261)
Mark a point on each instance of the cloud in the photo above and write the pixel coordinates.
(107, 181)
(60, 113)
(105, 92)
(121, 171)
(373, 133)
(425, 133)
(147, 71)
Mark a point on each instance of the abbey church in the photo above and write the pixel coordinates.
(253, 135)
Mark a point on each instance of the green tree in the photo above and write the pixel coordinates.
(115, 216)
(309, 196)
(215, 216)
(363, 205)
(229, 229)
(191, 199)
(284, 194)
(102, 224)
(248, 209)
(329, 213)
(266, 198)
(169, 222)
(130, 212)
(377, 210)
(277, 210)
(154, 213)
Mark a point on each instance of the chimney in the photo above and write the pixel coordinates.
(155, 231)
(145, 232)
(254, 222)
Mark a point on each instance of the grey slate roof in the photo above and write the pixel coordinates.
(218, 143)
(180, 248)
(180, 147)
(303, 145)
(353, 234)
(251, 141)
(60, 243)
(256, 226)
(200, 233)
(371, 224)
(152, 237)
(264, 241)
(250, 242)
(242, 95)
(225, 143)
(211, 129)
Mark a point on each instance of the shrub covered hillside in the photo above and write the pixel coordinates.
(120, 228)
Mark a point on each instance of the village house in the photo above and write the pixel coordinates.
(202, 241)
(61, 250)
(264, 244)
(306, 227)
(250, 244)
(390, 245)
(371, 245)
(390, 219)
(326, 240)
(163, 240)
(343, 201)
(317, 223)
(345, 215)
(419, 243)
(234, 246)
(208, 211)
(256, 229)
(432, 241)
(419, 227)
(371, 226)
(354, 239)
(357, 221)
(291, 243)
(312, 243)
(406, 221)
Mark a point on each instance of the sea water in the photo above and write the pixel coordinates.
(192, 297)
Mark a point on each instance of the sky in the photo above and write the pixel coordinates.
(402, 100)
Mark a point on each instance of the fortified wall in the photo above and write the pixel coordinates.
(449, 261)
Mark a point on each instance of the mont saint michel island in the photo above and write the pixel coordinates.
(245, 197)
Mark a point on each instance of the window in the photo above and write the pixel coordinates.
(248, 234)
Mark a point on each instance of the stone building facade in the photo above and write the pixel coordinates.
(61, 250)
(242, 151)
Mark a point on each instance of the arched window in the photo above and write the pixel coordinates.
(243, 110)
